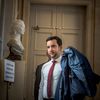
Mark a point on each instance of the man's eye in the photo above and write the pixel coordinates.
(53, 46)
(48, 47)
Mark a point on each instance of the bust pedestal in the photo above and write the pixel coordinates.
(16, 89)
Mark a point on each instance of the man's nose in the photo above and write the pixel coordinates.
(50, 48)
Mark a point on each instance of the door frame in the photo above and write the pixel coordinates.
(90, 28)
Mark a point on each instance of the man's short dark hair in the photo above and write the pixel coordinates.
(59, 41)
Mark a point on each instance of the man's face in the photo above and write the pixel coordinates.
(53, 49)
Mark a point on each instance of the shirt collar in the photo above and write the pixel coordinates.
(58, 59)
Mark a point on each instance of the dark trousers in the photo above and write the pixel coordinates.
(48, 99)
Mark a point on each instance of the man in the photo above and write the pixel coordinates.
(72, 77)
(54, 48)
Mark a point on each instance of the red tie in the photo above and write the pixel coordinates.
(49, 82)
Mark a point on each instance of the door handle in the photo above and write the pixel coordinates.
(36, 27)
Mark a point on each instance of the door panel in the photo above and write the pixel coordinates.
(70, 26)
(63, 21)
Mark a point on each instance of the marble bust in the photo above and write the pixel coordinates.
(15, 45)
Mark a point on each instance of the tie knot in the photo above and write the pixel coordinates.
(54, 61)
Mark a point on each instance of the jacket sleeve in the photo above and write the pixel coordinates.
(37, 81)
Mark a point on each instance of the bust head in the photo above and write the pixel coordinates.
(15, 46)
(18, 27)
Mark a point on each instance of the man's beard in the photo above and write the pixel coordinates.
(55, 56)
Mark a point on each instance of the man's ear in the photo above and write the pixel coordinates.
(61, 48)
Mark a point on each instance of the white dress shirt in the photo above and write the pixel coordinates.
(44, 78)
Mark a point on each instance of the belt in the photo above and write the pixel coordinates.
(48, 98)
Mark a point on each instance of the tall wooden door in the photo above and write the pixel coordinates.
(67, 22)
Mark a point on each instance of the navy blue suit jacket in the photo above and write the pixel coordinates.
(77, 79)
